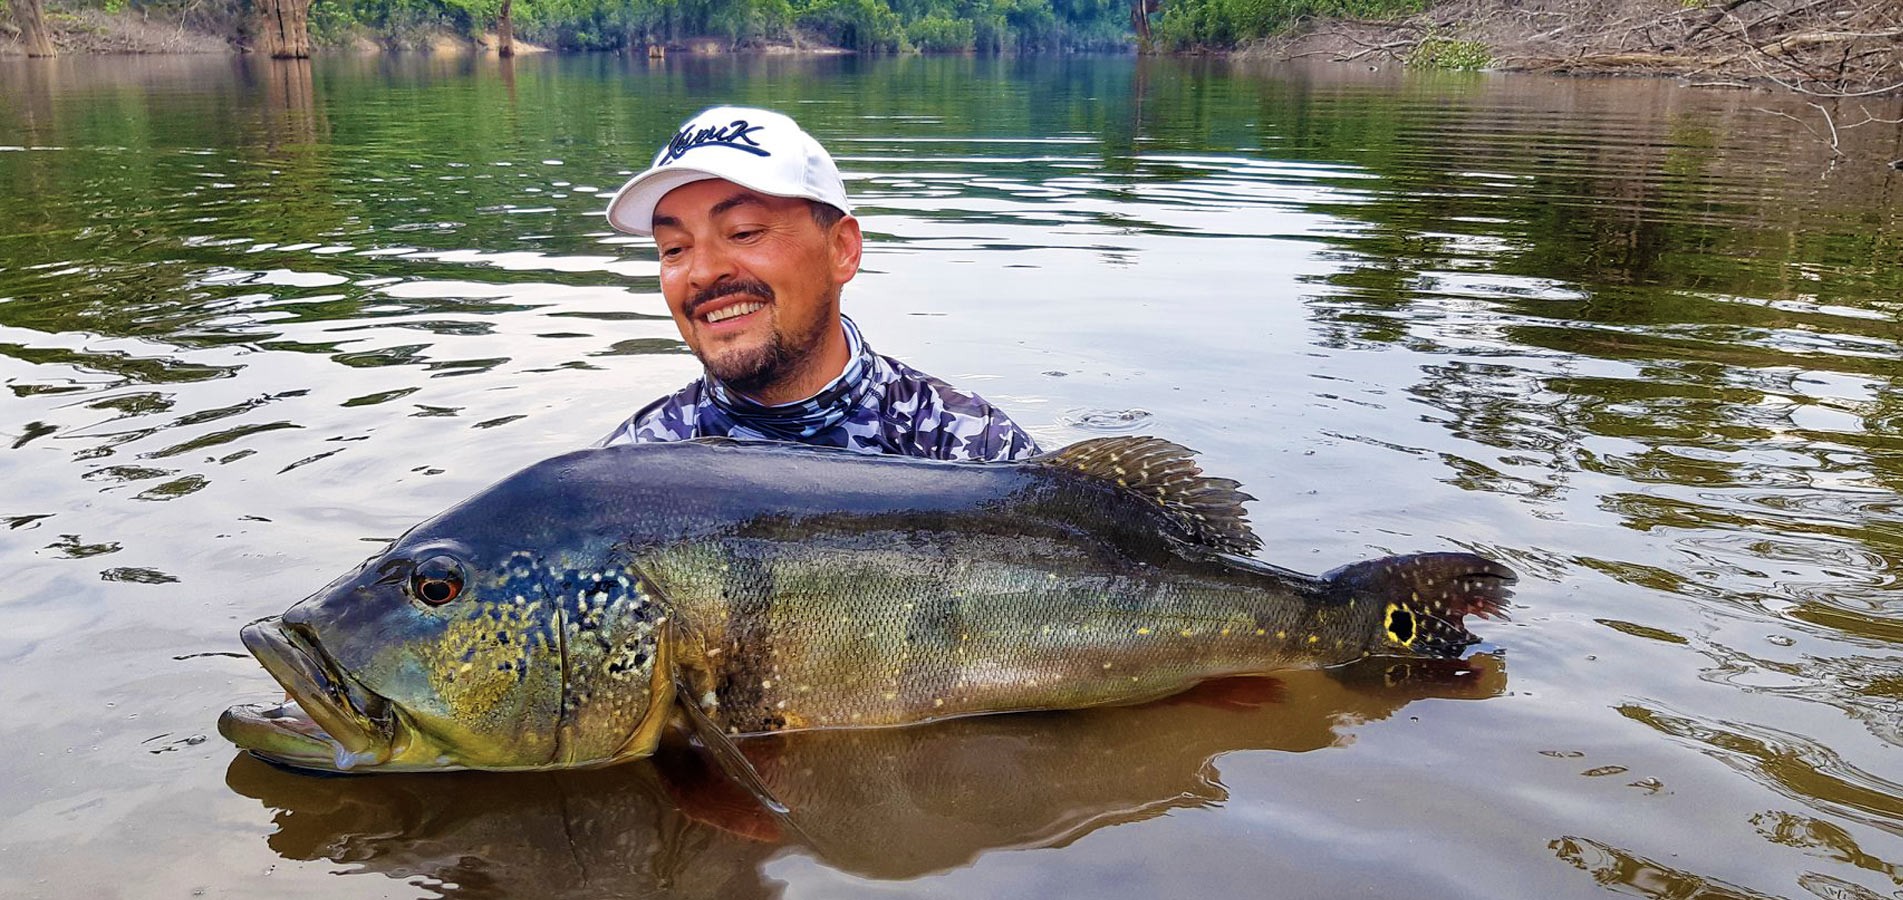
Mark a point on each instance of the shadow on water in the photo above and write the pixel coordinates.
(886, 804)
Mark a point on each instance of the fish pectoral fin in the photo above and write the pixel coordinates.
(730, 759)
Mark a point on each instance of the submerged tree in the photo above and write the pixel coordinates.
(283, 28)
(30, 15)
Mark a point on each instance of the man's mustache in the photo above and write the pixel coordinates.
(727, 288)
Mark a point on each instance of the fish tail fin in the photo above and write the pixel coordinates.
(1424, 597)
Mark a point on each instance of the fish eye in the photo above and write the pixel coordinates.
(437, 580)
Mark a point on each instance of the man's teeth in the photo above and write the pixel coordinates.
(738, 309)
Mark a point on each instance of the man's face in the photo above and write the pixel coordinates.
(753, 283)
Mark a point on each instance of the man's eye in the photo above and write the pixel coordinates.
(670, 252)
(746, 234)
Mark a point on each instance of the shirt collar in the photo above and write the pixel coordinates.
(802, 419)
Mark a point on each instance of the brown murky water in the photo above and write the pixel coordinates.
(1640, 340)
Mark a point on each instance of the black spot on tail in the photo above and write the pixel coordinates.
(1422, 599)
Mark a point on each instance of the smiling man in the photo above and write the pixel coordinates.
(756, 240)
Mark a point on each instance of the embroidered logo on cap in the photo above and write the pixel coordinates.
(738, 135)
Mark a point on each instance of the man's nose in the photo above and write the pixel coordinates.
(710, 265)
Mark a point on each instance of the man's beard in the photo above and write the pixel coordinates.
(753, 370)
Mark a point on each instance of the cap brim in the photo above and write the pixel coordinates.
(632, 209)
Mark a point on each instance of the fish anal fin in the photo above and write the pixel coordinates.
(1208, 509)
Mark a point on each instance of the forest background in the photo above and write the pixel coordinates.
(1838, 49)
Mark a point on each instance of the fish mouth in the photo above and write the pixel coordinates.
(330, 723)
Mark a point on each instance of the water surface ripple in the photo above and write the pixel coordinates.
(1640, 340)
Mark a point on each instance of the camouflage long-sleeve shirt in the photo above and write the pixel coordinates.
(877, 405)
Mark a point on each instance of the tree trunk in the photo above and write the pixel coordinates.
(505, 30)
(31, 17)
(284, 29)
(1140, 21)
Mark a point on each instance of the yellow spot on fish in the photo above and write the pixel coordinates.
(1225, 632)
(938, 701)
(1187, 632)
(1260, 632)
(890, 695)
(1281, 635)
(1313, 638)
(1143, 631)
(1400, 624)
(766, 683)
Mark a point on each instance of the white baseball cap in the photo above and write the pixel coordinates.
(757, 149)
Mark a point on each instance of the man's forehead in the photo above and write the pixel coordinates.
(712, 196)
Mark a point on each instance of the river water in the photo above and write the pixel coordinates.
(1639, 339)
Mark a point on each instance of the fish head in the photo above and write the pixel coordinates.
(513, 631)
(435, 656)
(431, 655)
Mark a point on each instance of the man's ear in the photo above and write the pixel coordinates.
(847, 244)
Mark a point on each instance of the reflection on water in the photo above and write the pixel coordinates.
(1641, 341)
(886, 804)
(1636, 876)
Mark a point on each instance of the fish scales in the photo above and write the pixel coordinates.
(562, 617)
(866, 631)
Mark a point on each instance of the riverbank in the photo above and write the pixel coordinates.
(95, 31)
(1836, 48)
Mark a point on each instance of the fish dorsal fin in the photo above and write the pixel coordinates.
(1208, 509)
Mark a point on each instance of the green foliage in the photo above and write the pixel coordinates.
(864, 25)
(940, 34)
(400, 23)
(882, 26)
(1198, 24)
(1437, 52)
(877, 26)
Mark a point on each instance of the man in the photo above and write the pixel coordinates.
(756, 239)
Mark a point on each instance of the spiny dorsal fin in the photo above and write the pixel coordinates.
(1209, 509)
